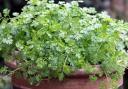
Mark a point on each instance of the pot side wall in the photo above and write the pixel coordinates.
(68, 83)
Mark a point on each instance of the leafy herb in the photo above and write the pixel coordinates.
(54, 40)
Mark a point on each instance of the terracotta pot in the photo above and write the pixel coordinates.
(68, 83)
(78, 80)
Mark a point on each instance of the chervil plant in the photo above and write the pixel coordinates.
(51, 41)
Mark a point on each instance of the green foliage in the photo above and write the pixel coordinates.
(54, 40)
(93, 78)
(3, 70)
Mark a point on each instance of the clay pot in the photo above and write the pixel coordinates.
(68, 83)
(78, 80)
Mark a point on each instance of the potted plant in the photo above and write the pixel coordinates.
(51, 41)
